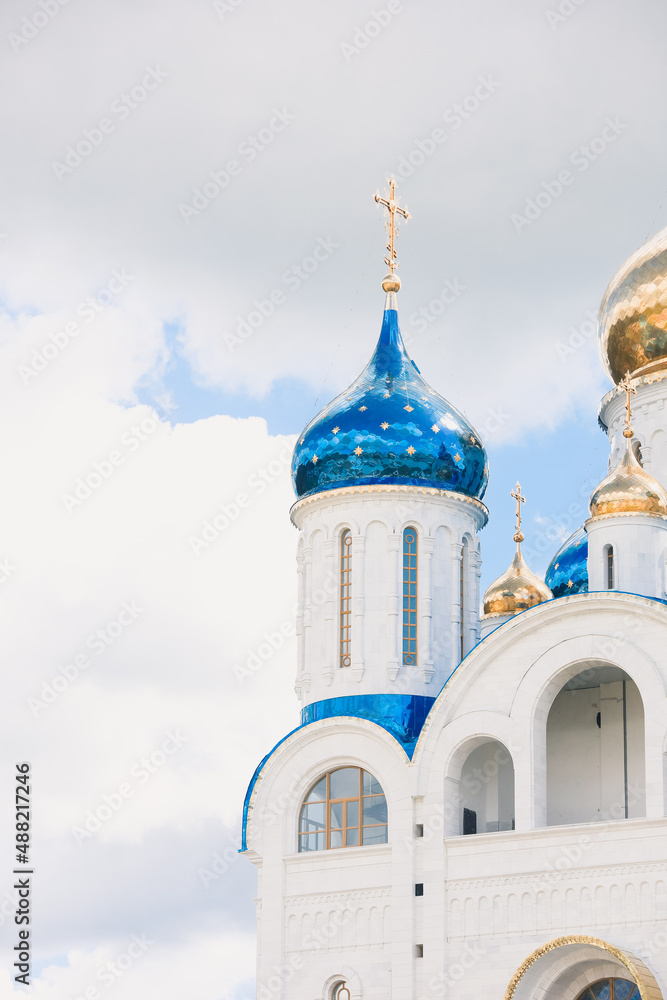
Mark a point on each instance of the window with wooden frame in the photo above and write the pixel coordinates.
(345, 598)
(344, 808)
(410, 597)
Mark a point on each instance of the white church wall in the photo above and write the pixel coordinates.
(648, 420)
(443, 627)
(636, 751)
(491, 898)
(376, 520)
(376, 591)
(638, 543)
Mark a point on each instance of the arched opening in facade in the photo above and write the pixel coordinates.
(486, 793)
(346, 807)
(580, 967)
(345, 628)
(595, 749)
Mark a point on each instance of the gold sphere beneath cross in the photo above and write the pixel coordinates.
(391, 283)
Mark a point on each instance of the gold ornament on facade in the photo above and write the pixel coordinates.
(632, 324)
(518, 588)
(629, 489)
(639, 973)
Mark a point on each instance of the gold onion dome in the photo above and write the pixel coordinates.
(518, 588)
(632, 323)
(629, 489)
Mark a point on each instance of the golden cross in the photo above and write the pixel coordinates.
(518, 496)
(392, 207)
(626, 384)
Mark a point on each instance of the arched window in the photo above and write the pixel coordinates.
(410, 597)
(340, 992)
(345, 597)
(609, 568)
(637, 449)
(462, 594)
(610, 989)
(344, 808)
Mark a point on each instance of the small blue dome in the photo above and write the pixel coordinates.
(568, 570)
(390, 427)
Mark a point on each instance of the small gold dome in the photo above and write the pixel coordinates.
(629, 489)
(516, 590)
(632, 325)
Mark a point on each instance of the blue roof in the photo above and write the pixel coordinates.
(403, 716)
(568, 570)
(390, 427)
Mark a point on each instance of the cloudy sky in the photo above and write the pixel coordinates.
(167, 168)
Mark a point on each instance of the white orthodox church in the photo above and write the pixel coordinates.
(474, 803)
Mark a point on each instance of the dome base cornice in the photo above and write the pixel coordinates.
(396, 490)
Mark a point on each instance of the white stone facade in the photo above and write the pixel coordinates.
(639, 544)
(446, 525)
(491, 899)
(649, 420)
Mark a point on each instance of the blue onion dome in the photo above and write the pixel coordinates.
(568, 570)
(390, 427)
(632, 325)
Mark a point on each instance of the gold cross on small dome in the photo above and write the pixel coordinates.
(391, 282)
(626, 383)
(520, 498)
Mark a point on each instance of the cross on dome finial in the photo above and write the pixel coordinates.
(626, 383)
(518, 496)
(391, 282)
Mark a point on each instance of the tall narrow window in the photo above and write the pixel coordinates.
(410, 597)
(345, 597)
(462, 595)
(609, 566)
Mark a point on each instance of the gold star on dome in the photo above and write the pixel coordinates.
(556, 565)
(336, 429)
(302, 440)
(387, 395)
(362, 408)
(435, 429)
(410, 450)
(358, 451)
(570, 584)
(457, 457)
(315, 459)
(409, 408)
(384, 426)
